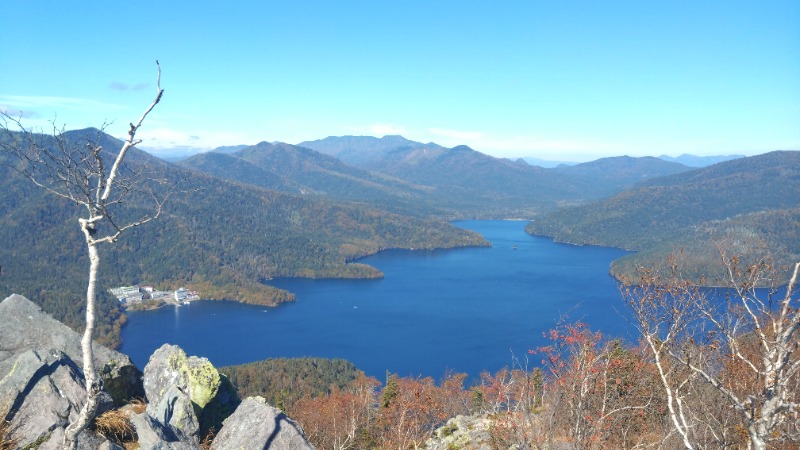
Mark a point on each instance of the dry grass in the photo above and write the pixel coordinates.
(115, 425)
(205, 443)
(6, 442)
(137, 405)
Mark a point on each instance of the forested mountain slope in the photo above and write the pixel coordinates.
(608, 176)
(364, 151)
(699, 161)
(755, 197)
(299, 170)
(478, 185)
(466, 181)
(219, 237)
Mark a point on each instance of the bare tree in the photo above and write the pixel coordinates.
(77, 172)
(744, 346)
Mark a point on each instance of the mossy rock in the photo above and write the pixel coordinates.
(169, 365)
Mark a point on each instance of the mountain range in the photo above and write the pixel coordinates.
(299, 170)
(463, 182)
(216, 236)
(699, 161)
(243, 214)
(746, 202)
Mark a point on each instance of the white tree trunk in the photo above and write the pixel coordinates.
(757, 433)
(93, 386)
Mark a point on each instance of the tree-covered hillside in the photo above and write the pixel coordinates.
(364, 151)
(219, 237)
(283, 381)
(772, 233)
(753, 197)
(468, 183)
(608, 176)
(298, 170)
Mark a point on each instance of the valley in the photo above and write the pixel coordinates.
(400, 225)
(331, 274)
(245, 214)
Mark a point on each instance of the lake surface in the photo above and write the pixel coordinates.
(465, 310)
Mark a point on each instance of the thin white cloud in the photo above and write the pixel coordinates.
(70, 103)
(16, 113)
(119, 86)
(168, 138)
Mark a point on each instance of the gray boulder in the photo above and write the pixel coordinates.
(154, 436)
(41, 376)
(179, 389)
(176, 415)
(43, 393)
(257, 425)
(24, 326)
(86, 441)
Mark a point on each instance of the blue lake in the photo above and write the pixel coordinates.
(465, 310)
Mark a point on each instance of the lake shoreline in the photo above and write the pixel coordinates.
(465, 310)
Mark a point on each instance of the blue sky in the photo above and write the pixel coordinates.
(557, 80)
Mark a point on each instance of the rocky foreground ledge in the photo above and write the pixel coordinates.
(42, 391)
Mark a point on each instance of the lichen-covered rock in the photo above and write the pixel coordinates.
(24, 326)
(186, 394)
(169, 366)
(463, 432)
(257, 425)
(220, 407)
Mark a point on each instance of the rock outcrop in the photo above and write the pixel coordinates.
(186, 396)
(256, 424)
(463, 432)
(42, 391)
(41, 376)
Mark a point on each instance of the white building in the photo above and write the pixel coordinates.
(124, 291)
(181, 294)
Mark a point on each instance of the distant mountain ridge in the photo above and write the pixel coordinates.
(216, 236)
(479, 185)
(547, 163)
(299, 170)
(363, 151)
(467, 182)
(699, 161)
(690, 209)
(230, 148)
(608, 176)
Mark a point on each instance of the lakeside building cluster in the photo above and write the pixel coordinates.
(130, 295)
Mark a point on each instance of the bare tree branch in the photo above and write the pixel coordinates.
(692, 338)
(77, 172)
